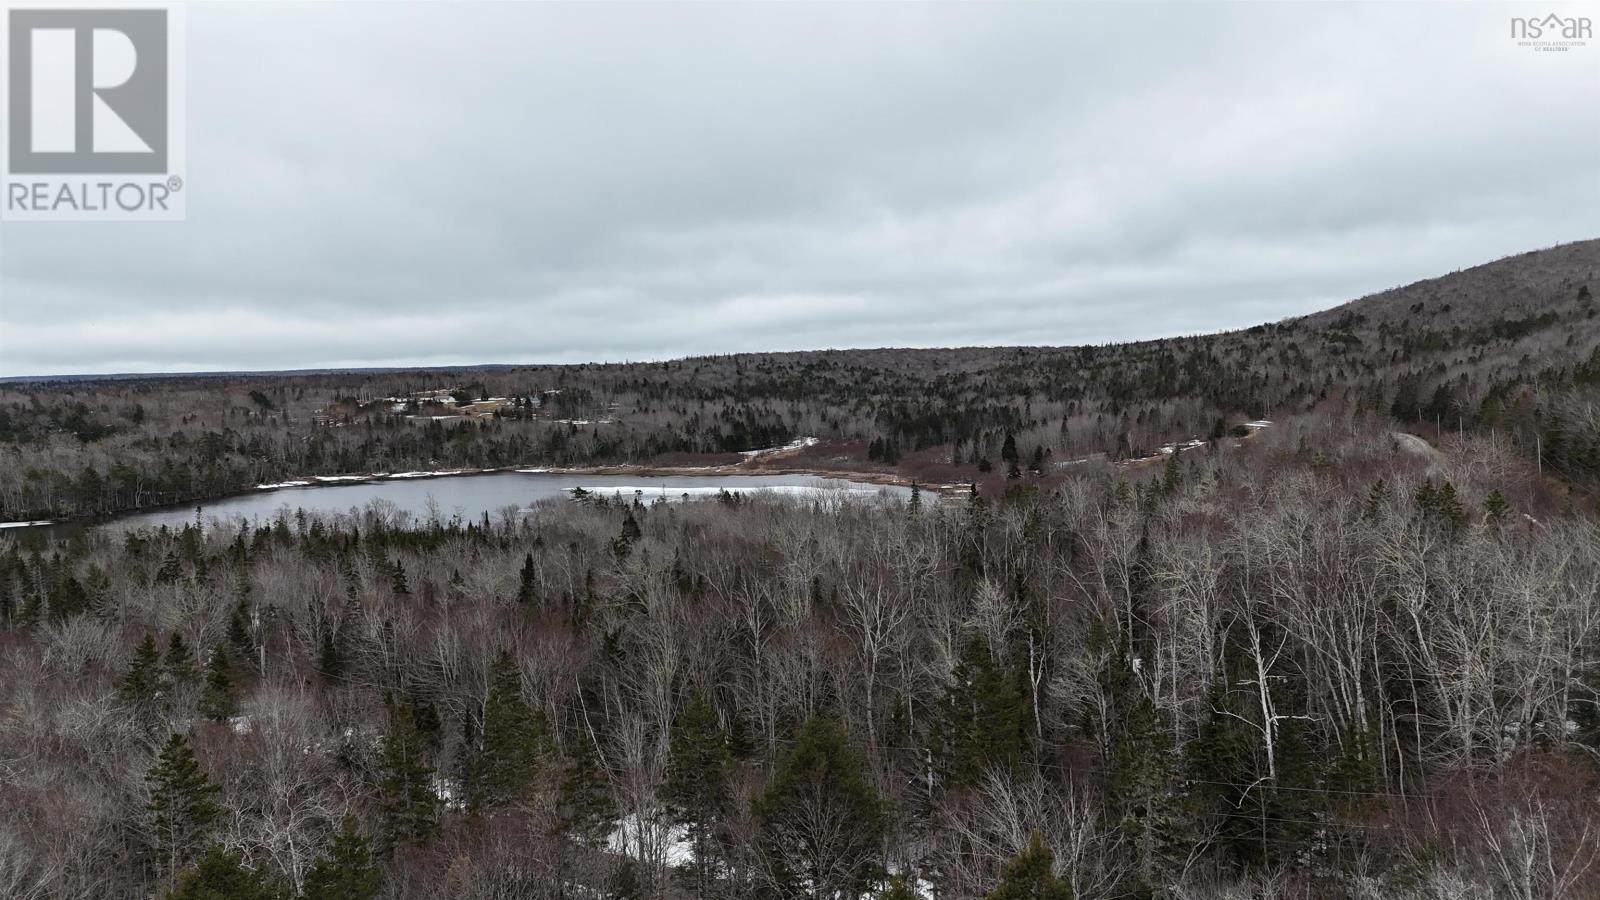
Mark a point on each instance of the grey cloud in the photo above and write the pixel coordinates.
(427, 184)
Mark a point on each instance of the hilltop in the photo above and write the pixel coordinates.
(1500, 347)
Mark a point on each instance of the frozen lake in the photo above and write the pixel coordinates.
(471, 496)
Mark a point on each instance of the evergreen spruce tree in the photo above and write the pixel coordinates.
(1171, 474)
(696, 790)
(630, 534)
(820, 821)
(1141, 793)
(979, 517)
(179, 665)
(30, 606)
(1029, 876)
(1441, 504)
(141, 686)
(982, 720)
(397, 579)
(1121, 494)
(239, 637)
(1495, 506)
(742, 741)
(221, 875)
(1377, 499)
(181, 809)
(1294, 800)
(1008, 450)
(514, 742)
(898, 888)
(1222, 762)
(170, 570)
(527, 585)
(1354, 771)
(409, 807)
(68, 598)
(1449, 506)
(586, 808)
(347, 871)
(331, 653)
(1427, 497)
(219, 698)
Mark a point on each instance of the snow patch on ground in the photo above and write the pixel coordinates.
(282, 484)
(651, 840)
(796, 444)
(24, 524)
(448, 792)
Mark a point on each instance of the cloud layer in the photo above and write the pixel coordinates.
(382, 184)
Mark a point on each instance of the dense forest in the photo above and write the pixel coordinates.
(1320, 663)
(1500, 349)
(1144, 651)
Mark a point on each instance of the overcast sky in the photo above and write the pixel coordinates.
(384, 184)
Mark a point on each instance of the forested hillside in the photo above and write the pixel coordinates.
(1314, 664)
(1150, 653)
(1511, 348)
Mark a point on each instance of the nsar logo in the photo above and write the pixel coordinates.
(1553, 32)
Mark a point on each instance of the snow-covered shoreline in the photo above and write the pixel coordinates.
(315, 480)
(657, 491)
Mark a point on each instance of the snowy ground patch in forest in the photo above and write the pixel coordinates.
(448, 792)
(651, 840)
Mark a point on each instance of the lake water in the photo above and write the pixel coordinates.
(470, 496)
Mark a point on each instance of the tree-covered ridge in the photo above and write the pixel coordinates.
(1510, 348)
(1316, 664)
